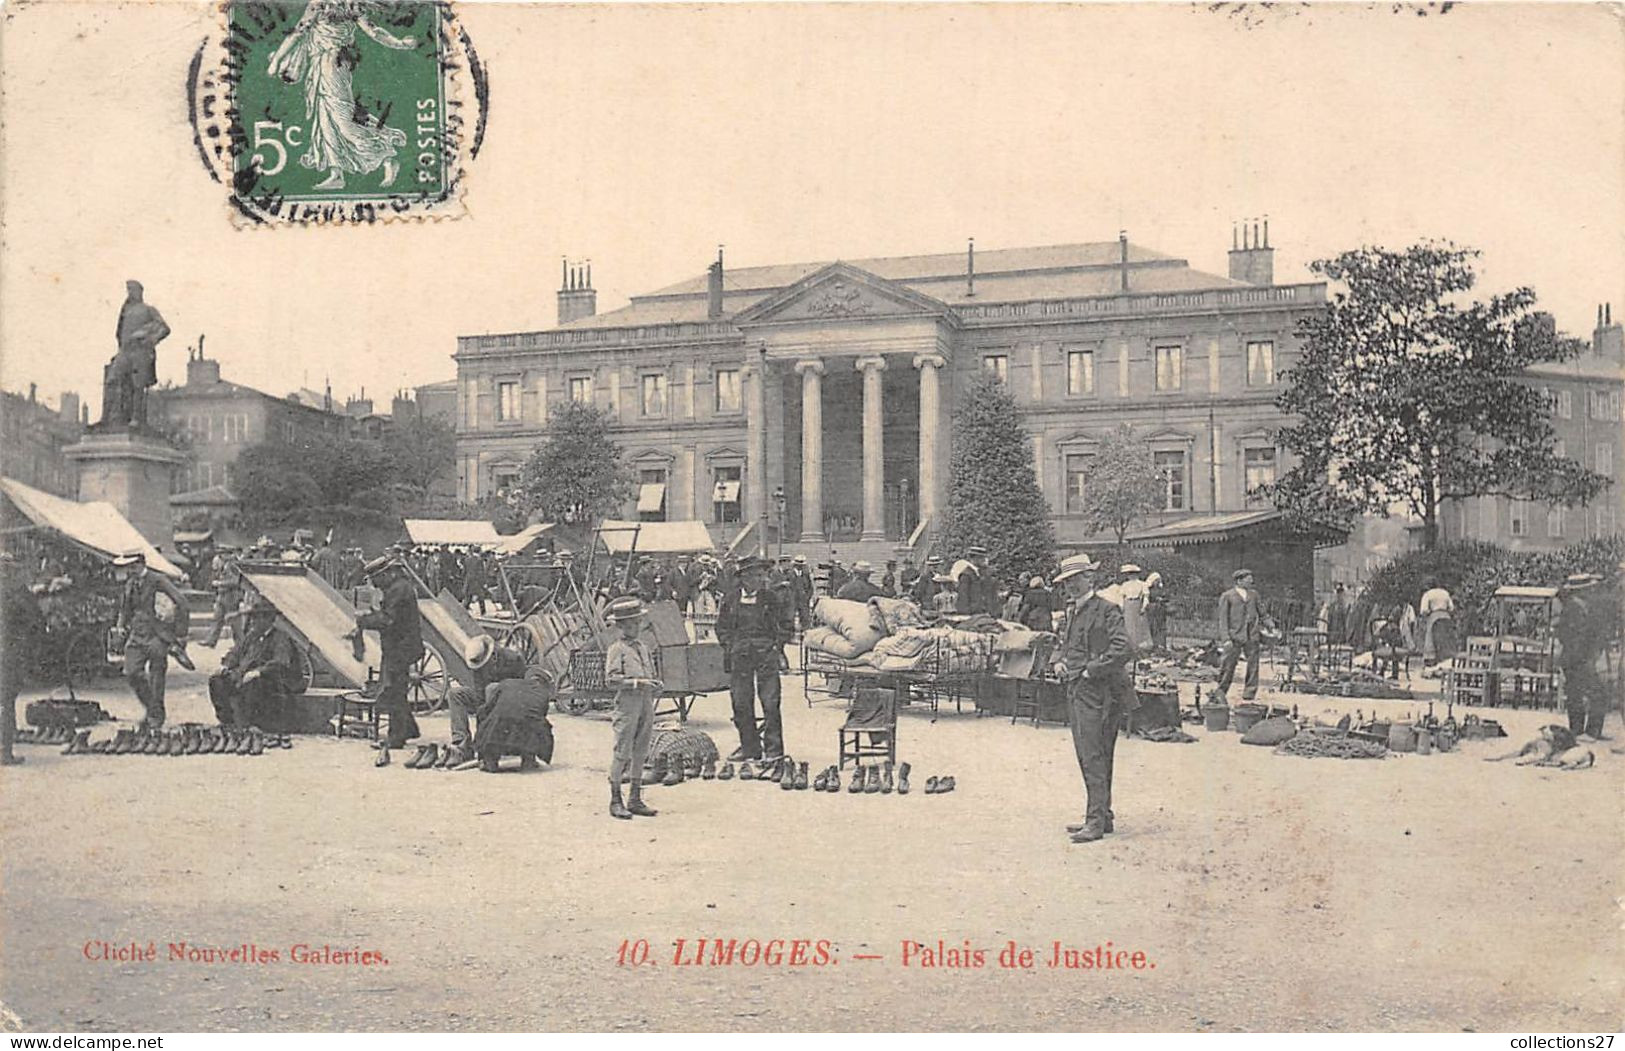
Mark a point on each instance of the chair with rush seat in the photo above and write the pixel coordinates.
(870, 730)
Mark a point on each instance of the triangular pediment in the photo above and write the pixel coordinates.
(841, 292)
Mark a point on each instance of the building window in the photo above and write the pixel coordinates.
(1605, 460)
(507, 401)
(1554, 522)
(1565, 404)
(1261, 363)
(1258, 469)
(1075, 467)
(728, 390)
(998, 365)
(234, 427)
(652, 494)
(1517, 518)
(1170, 367)
(289, 431)
(1599, 404)
(1080, 372)
(1613, 405)
(725, 487)
(504, 479)
(581, 390)
(1171, 466)
(654, 394)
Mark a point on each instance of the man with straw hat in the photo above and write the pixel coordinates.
(629, 666)
(1579, 642)
(1090, 662)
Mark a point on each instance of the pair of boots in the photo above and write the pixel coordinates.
(870, 780)
(633, 805)
(434, 756)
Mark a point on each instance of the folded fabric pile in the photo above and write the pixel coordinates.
(937, 650)
(895, 614)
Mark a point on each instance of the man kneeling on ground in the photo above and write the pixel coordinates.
(490, 664)
(513, 721)
(258, 675)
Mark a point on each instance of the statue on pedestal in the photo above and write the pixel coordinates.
(135, 367)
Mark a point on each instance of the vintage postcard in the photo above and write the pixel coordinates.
(773, 518)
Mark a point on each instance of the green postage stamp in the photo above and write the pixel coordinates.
(338, 111)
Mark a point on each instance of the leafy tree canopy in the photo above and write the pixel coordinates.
(1122, 484)
(1409, 392)
(576, 474)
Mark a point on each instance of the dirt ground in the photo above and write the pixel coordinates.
(1266, 892)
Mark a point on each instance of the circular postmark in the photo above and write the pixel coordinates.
(338, 111)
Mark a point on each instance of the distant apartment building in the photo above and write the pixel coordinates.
(221, 419)
(32, 437)
(1585, 396)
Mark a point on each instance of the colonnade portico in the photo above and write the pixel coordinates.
(872, 368)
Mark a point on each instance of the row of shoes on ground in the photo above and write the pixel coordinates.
(449, 757)
(190, 740)
(47, 735)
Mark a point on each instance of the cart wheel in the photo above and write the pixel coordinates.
(429, 684)
(87, 656)
(573, 704)
(523, 638)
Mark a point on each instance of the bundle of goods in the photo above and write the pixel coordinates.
(1329, 746)
(845, 629)
(1023, 653)
(1273, 731)
(1350, 683)
(679, 752)
(941, 651)
(1166, 735)
(62, 712)
(895, 614)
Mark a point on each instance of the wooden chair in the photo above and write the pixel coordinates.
(870, 730)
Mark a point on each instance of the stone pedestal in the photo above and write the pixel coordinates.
(133, 472)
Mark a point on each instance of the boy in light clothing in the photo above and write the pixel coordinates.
(629, 666)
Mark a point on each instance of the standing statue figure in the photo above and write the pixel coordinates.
(135, 367)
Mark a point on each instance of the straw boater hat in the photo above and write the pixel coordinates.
(861, 566)
(1238, 574)
(478, 651)
(135, 558)
(627, 607)
(976, 549)
(1576, 581)
(1129, 567)
(1074, 565)
(800, 560)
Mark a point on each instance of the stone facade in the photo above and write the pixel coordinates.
(834, 384)
(32, 439)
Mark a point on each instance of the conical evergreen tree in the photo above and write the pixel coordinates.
(993, 493)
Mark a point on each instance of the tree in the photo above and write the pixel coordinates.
(272, 478)
(1409, 393)
(1122, 484)
(576, 474)
(422, 450)
(993, 494)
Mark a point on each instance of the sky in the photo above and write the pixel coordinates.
(642, 136)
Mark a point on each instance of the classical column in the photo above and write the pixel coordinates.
(754, 376)
(874, 448)
(812, 450)
(930, 417)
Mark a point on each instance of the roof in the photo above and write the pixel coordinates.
(1588, 366)
(211, 496)
(1206, 529)
(193, 537)
(654, 538)
(1524, 591)
(473, 531)
(1002, 276)
(95, 526)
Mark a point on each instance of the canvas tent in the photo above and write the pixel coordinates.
(98, 526)
(465, 532)
(654, 538)
(520, 541)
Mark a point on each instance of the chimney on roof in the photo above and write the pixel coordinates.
(33, 391)
(713, 288)
(1122, 259)
(577, 298)
(1253, 261)
(970, 268)
(201, 371)
(1608, 341)
(69, 408)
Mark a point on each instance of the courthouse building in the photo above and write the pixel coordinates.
(817, 399)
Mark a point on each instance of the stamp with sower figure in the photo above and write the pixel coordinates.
(338, 111)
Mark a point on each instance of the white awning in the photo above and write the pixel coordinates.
(654, 537)
(96, 526)
(651, 496)
(726, 493)
(472, 532)
(518, 542)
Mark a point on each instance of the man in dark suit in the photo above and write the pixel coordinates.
(400, 635)
(753, 626)
(1091, 662)
(148, 637)
(258, 675)
(1241, 627)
